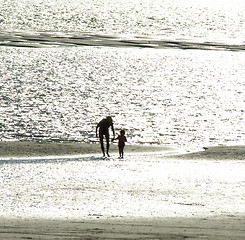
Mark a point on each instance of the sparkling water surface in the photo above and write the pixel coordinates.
(75, 62)
(178, 98)
(211, 19)
(171, 97)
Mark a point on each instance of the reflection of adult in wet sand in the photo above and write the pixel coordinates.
(104, 126)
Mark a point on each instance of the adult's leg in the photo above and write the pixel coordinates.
(107, 143)
(102, 144)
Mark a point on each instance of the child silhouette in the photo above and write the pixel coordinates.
(121, 143)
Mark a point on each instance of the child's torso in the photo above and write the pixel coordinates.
(121, 140)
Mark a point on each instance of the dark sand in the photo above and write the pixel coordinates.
(22, 149)
(216, 153)
(178, 228)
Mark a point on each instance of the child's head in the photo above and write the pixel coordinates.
(122, 132)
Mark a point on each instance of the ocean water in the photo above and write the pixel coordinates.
(67, 64)
(177, 98)
(168, 72)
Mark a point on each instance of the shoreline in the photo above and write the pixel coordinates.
(133, 228)
(28, 149)
(223, 152)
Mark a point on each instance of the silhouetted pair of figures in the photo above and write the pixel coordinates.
(104, 126)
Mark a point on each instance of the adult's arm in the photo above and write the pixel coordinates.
(97, 129)
(112, 128)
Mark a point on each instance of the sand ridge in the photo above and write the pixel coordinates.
(21, 149)
(216, 153)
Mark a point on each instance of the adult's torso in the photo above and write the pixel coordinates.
(104, 125)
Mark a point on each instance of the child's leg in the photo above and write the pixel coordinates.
(120, 151)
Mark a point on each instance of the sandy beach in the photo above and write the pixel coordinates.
(118, 227)
(22, 149)
(216, 153)
(175, 229)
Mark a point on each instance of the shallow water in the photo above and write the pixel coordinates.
(140, 186)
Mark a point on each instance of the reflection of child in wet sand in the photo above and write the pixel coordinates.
(121, 142)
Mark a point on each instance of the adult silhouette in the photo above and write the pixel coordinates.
(104, 126)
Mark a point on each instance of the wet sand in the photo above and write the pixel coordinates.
(177, 228)
(21, 149)
(45, 39)
(216, 153)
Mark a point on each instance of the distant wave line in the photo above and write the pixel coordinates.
(58, 39)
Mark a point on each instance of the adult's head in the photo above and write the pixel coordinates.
(109, 119)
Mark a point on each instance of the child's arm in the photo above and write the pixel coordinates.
(113, 139)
